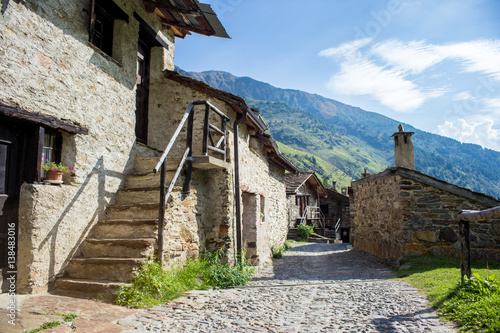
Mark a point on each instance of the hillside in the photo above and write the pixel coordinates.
(350, 139)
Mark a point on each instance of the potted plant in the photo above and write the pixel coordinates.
(54, 171)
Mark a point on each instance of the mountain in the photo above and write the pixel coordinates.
(338, 140)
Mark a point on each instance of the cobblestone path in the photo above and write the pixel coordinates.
(313, 288)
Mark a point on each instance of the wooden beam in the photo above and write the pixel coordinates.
(474, 215)
(187, 27)
(171, 8)
(41, 119)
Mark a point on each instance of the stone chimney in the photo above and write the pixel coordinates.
(403, 149)
(334, 185)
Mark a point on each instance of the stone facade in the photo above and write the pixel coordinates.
(262, 181)
(402, 211)
(47, 66)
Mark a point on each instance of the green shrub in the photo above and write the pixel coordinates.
(279, 250)
(227, 275)
(153, 285)
(304, 231)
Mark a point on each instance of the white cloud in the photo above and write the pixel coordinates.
(383, 70)
(362, 77)
(481, 133)
(464, 95)
(476, 56)
(414, 57)
(347, 49)
(492, 103)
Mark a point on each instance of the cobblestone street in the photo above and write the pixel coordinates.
(313, 288)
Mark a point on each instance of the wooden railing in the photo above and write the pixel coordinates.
(464, 220)
(220, 148)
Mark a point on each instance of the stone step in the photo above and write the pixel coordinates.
(126, 228)
(147, 164)
(138, 195)
(118, 247)
(133, 211)
(88, 288)
(110, 269)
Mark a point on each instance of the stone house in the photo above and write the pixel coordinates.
(335, 209)
(89, 83)
(304, 191)
(401, 211)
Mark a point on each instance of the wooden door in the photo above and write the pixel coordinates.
(11, 138)
(142, 95)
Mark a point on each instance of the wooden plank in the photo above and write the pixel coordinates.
(473, 215)
(171, 8)
(41, 119)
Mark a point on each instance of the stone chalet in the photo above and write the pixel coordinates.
(304, 190)
(90, 84)
(336, 211)
(401, 211)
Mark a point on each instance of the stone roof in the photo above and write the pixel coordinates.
(336, 195)
(431, 181)
(294, 181)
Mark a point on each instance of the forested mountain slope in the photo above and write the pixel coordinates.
(350, 139)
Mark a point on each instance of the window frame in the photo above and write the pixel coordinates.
(107, 11)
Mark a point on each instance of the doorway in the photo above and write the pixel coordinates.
(249, 224)
(12, 137)
(142, 94)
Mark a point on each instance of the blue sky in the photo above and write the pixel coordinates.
(433, 64)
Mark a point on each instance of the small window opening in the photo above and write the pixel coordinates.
(396, 140)
(52, 143)
(262, 208)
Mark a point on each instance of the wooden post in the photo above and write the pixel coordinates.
(464, 225)
(163, 204)
(465, 268)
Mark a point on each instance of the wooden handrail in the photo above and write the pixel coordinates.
(174, 137)
(162, 162)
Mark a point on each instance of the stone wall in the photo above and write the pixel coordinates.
(394, 216)
(376, 217)
(258, 176)
(48, 66)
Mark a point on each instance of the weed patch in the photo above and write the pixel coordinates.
(154, 285)
(278, 251)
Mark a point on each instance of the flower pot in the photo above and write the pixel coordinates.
(51, 175)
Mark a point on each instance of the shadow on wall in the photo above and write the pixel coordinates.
(103, 197)
(77, 27)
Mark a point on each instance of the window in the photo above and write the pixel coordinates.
(102, 34)
(102, 22)
(262, 208)
(52, 144)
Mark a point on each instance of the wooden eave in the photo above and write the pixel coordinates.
(51, 122)
(295, 181)
(186, 16)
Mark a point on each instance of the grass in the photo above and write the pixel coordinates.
(153, 285)
(475, 306)
(67, 317)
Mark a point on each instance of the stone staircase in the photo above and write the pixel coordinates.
(121, 241)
